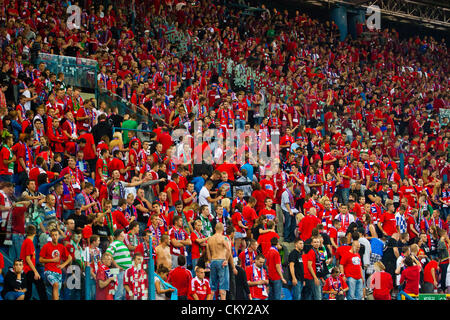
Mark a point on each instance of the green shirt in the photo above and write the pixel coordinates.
(120, 253)
(128, 124)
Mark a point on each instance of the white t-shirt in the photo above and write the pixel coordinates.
(399, 262)
(202, 197)
(27, 104)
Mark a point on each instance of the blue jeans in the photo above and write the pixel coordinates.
(14, 250)
(355, 289)
(297, 291)
(120, 291)
(275, 289)
(219, 276)
(312, 291)
(289, 227)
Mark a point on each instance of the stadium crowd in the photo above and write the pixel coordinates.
(358, 208)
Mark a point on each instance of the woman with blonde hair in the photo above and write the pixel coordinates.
(381, 282)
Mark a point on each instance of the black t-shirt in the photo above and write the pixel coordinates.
(141, 216)
(80, 220)
(367, 193)
(296, 257)
(388, 251)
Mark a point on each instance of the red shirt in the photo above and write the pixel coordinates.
(26, 250)
(306, 225)
(411, 275)
(427, 274)
(50, 251)
(103, 273)
(352, 265)
(230, 169)
(178, 234)
(237, 216)
(273, 258)
(335, 284)
(137, 282)
(310, 256)
(180, 278)
(89, 150)
(264, 241)
(195, 250)
(199, 287)
(382, 285)
(253, 274)
(389, 223)
(4, 155)
(249, 215)
(119, 219)
(175, 192)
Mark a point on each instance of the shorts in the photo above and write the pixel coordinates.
(219, 276)
(240, 235)
(13, 295)
(53, 277)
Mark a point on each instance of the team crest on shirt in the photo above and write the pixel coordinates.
(55, 254)
(356, 261)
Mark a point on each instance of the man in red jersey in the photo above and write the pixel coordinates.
(28, 255)
(200, 288)
(181, 278)
(276, 279)
(55, 258)
(258, 279)
(351, 266)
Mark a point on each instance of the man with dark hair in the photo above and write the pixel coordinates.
(312, 267)
(296, 271)
(257, 279)
(275, 271)
(55, 258)
(180, 278)
(28, 255)
(135, 280)
(15, 282)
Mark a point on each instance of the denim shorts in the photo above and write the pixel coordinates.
(53, 277)
(219, 276)
(240, 235)
(13, 295)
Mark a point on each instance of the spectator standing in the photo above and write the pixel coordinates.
(410, 276)
(181, 278)
(121, 260)
(296, 269)
(28, 255)
(55, 258)
(275, 270)
(258, 279)
(105, 280)
(351, 267)
(135, 280)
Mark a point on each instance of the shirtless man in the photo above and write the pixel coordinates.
(163, 252)
(219, 253)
